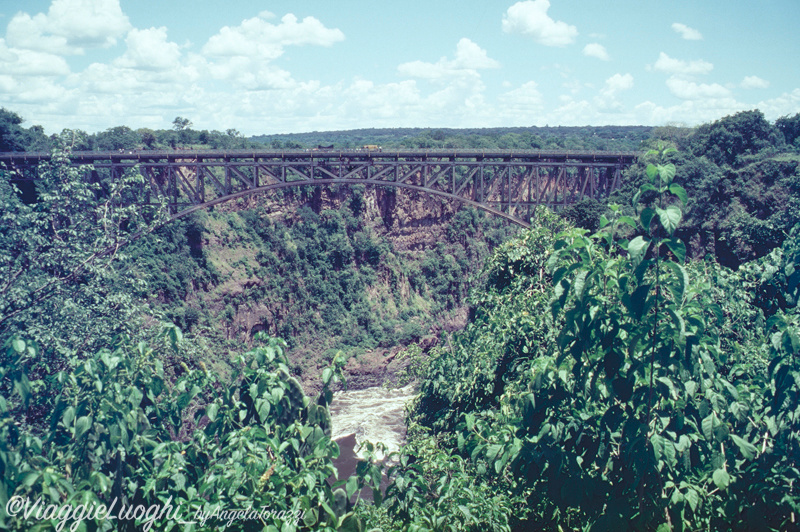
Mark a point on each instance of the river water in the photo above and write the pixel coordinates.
(375, 414)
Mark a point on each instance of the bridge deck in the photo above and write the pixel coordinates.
(508, 183)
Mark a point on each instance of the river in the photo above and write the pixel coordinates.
(375, 414)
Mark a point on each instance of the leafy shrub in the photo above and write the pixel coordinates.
(121, 431)
(627, 406)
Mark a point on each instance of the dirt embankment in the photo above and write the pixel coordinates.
(373, 368)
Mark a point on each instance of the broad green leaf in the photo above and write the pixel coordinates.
(83, 424)
(680, 280)
(68, 416)
(693, 498)
(667, 173)
(651, 171)
(30, 479)
(18, 344)
(679, 191)
(351, 486)
(491, 452)
(638, 247)
(748, 450)
(722, 479)
(646, 217)
(670, 218)
(677, 247)
(708, 424)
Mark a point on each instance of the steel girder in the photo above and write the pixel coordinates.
(507, 183)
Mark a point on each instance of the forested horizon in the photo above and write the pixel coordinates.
(617, 138)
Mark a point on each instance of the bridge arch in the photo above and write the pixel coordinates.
(327, 182)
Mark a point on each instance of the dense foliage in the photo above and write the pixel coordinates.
(122, 436)
(640, 400)
(98, 409)
(620, 138)
(742, 175)
(604, 380)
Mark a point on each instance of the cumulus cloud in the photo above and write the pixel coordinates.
(69, 27)
(754, 82)
(784, 105)
(256, 37)
(530, 18)
(690, 34)
(525, 100)
(679, 67)
(689, 90)
(690, 112)
(21, 62)
(243, 54)
(469, 58)
(616, 84)
(149, 50)
(596, 50)
(606, 100)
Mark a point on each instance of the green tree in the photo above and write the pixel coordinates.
(118, 138)
(14, 137)
(180, 123)
(729, 139)
(121, 430)
(60, 263)
(790, 127)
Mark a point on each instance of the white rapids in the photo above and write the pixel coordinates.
(375, 414)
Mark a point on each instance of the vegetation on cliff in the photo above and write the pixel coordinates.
(606, 382)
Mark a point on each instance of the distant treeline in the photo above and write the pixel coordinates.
(521, 138)
(15, 137)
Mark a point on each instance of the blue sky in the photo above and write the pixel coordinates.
(265, 67)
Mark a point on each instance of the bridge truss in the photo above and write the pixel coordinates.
(507, 183)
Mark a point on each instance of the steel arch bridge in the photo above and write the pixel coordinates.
(503, 182)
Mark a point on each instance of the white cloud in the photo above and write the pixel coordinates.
(20, 62)
(389, 100)
(786, 104)
(679, 67)
(754, 82)
(690, 34)
(243, 54)
(525, 100)
(149, 50)
(607, 98)
(617, 83)
(255, 37)
(69, 27)
(692, 112)
(689, 90)
(596, 50)
(469, 58)
(530, 18)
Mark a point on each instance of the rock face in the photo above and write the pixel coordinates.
(410, 223)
